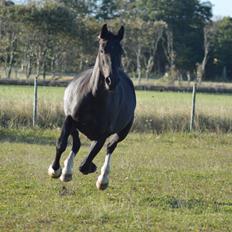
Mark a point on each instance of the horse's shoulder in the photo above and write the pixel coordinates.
(127, 84)
(126, 79)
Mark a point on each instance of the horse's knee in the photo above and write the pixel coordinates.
(76, 140)
(66, 130)
(110, 147)
(61, 147)
(76, 145)
(112, 144)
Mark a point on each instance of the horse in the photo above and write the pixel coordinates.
(100, 104)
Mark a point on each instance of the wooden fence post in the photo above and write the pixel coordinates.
(35, 102)
(192, 125)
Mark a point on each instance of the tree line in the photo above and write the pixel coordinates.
(176, 40)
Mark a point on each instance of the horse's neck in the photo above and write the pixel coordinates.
(95, 78)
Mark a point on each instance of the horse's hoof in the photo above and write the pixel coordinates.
(66, 177)
(102, 186)
(87, 169)
(54, 173)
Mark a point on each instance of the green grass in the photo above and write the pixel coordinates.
(16, 105)
(156, 111)
(168, 111)
(168, 182)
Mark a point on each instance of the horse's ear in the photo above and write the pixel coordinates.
(120, 33)
(104, 32)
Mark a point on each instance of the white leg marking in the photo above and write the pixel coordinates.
(103, 180)
(54, 173)
(68, 168)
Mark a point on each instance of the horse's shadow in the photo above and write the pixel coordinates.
(30, 137)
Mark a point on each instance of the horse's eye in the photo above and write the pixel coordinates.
(102, 51)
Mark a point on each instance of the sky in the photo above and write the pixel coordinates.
(220, 7)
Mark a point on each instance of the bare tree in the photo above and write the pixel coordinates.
(169, 52)
(138, 57)
(154, 34)
(11, 51)
(209, 30)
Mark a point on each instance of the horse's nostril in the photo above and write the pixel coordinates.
(108, 81)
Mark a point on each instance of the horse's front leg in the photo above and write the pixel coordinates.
(54, 169)
(68, 163)
(103, 179)
(87, 166)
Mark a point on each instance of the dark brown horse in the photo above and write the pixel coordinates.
(100, 103)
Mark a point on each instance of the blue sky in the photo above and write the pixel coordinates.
(220, 7)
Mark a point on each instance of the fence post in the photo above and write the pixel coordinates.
(193, 107)
(35, 102)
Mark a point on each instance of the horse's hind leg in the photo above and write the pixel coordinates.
(68, 163)
(103, 179)
(87, 166)
(55, 170)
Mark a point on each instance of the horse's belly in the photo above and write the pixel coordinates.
(90, 124)
(91, 130)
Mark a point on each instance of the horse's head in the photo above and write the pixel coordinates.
(110, 52)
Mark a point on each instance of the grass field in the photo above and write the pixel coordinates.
(159, 181)
(156, 111)
(168, 182)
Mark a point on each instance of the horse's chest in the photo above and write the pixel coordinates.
(91, 121)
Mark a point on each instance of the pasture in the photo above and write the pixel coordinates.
(156, 112)
(172, 181)
(168, 182)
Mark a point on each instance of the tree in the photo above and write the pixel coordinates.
(209, 32)
(80, 7)
(220, 62)
(153, 35)
(108, 9)
(45, 30)
(141, 43)
(9, 33)
(186, 19)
